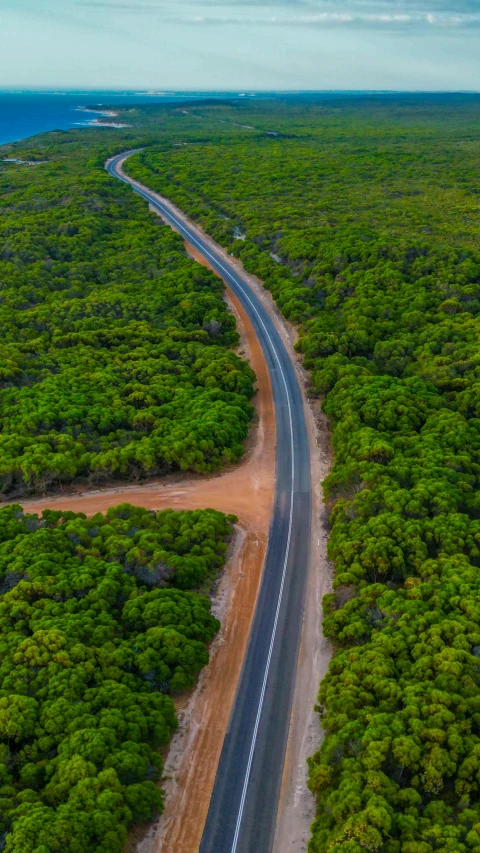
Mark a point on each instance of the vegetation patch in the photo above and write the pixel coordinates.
(115, 355)
(97, 629)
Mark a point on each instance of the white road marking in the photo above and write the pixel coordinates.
(227, 272)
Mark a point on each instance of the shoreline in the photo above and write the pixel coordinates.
(99, 120)
(64, 121)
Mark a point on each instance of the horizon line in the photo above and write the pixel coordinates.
(235, 92)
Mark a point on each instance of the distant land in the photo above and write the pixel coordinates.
(25, 113)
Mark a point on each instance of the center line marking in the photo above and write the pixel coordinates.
(240, 285)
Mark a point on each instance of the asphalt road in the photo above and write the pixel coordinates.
(243, 808)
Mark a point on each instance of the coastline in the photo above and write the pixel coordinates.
(99, 121)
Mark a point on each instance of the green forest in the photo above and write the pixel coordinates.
(362, 218)
(98, 628)
(116, 353)
(117, 360)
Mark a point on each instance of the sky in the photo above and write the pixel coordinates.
(240, 44)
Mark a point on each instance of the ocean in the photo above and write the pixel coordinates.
(24, 114)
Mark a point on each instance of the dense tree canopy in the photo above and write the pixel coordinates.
(115, 356)
(362, 218)
(96, 631)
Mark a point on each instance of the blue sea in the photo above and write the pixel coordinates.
(24, 114)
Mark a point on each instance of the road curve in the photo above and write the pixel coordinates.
(243, 807)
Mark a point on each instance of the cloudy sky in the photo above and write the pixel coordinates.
(241, 44)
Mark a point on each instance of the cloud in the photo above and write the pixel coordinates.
(347, 17)
(399, 15)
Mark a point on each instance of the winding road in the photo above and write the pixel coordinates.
(243, 807)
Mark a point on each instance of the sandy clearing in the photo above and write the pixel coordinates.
(246, 491)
